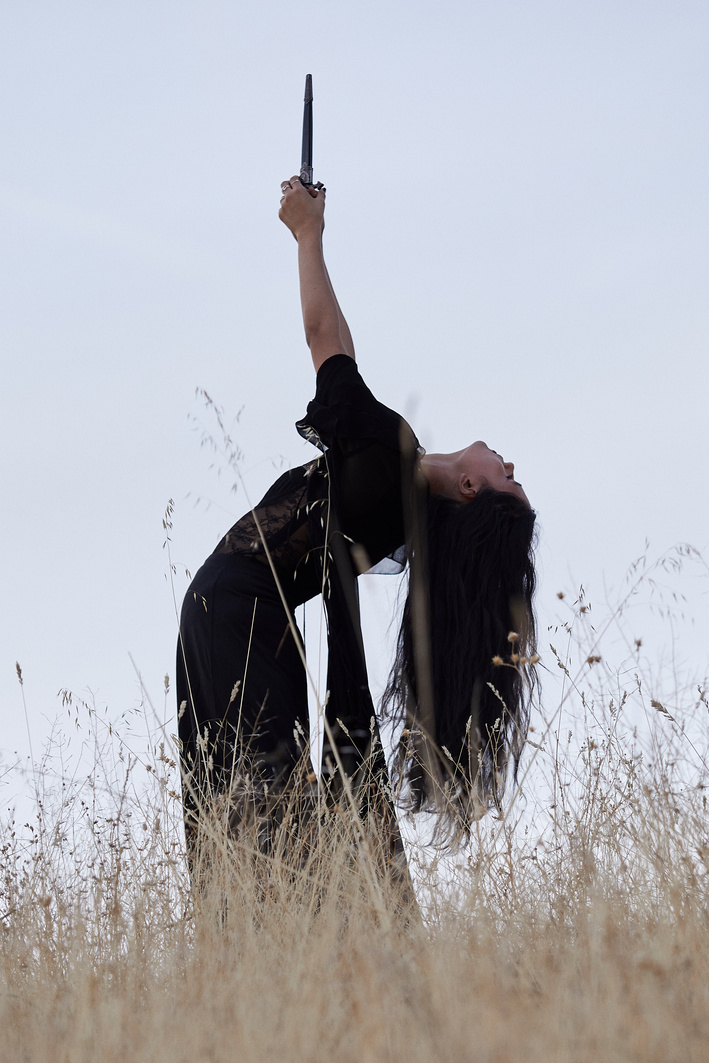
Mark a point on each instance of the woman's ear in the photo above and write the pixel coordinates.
(467, 488)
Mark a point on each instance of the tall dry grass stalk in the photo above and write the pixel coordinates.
(575, 928)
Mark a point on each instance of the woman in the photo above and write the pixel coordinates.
(466, 526)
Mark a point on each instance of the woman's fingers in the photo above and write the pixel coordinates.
(291, 184)
(294, 184)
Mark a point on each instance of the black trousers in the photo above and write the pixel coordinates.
(241, 683)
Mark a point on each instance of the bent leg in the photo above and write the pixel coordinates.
(242, 695)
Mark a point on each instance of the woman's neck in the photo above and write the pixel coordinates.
(440, 471)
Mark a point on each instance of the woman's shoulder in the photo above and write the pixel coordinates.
(345, 408)
(338, 379)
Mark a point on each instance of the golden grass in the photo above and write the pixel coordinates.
(577, 928)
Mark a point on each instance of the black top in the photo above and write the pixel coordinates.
(368, 447)
(326, 521)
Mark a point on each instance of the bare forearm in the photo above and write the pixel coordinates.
(321, 313)
(345, 334)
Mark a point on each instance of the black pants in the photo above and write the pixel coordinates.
(241, 684)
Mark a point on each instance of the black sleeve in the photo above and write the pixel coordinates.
(344, 410)
(371, 458)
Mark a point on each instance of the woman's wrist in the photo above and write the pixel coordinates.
(310, 233)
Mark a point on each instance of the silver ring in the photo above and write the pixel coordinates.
(285, 185)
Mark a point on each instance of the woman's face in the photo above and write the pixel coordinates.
(481, 467)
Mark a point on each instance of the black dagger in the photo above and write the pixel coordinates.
(306, 156)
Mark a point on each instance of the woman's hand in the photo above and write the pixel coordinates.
(302, 209)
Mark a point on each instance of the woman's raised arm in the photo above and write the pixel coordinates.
(326, 331)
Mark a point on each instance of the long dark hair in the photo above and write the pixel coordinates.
(463, 697)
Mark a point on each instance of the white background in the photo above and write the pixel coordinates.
(517, 230)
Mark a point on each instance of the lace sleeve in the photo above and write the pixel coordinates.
(280, 520)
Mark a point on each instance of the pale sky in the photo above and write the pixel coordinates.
(517, 230)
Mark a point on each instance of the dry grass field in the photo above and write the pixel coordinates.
(576, 927)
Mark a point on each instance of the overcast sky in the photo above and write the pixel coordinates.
(516, 228)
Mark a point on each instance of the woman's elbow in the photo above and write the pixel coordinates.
(324, 343)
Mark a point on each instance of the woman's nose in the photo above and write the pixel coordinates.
(509, 468)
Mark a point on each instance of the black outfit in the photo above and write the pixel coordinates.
(241, 684)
